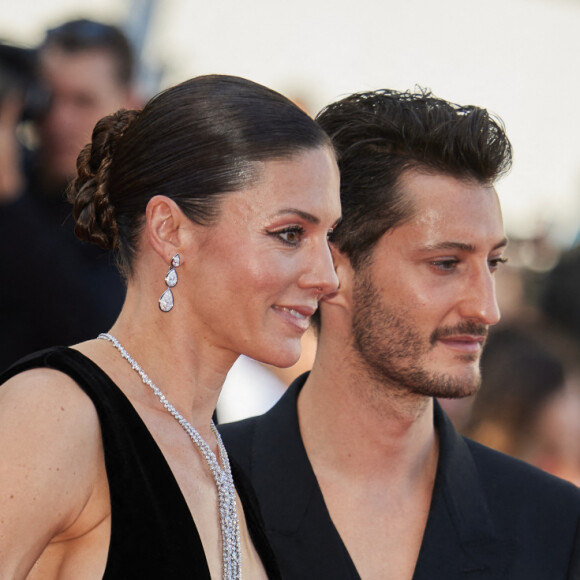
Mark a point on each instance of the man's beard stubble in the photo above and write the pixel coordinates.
(393, 351)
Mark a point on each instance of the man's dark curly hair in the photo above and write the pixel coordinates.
(379, 135)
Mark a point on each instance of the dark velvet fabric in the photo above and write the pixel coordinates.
(491, 516)
(152, 532)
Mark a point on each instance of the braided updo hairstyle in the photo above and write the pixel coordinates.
(89, 193)
(194, 143)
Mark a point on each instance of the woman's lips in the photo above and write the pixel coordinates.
(298, 316)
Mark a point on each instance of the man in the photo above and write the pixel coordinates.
(17, 84)
(53, 288)
(358, 471)
(88, 69)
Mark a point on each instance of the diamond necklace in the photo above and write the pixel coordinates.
(230, 528)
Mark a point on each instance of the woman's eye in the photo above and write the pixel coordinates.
(291, 236)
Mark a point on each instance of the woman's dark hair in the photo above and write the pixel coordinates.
(381, 134)
(193, 143)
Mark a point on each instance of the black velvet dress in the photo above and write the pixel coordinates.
(153, 534)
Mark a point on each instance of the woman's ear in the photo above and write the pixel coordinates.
(164, 226)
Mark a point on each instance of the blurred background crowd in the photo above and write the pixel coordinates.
(64, 65)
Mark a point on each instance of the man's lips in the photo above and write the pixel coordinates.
(466, 334)
(464, 343)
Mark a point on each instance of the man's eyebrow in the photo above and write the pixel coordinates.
(303, 214)
(461, 246)
(502, 244)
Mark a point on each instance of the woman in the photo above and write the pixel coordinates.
(218, 198)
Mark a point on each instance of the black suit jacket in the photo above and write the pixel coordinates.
(491, 516)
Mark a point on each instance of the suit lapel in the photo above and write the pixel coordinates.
(460, 540)
(292, 504)
(280, 462)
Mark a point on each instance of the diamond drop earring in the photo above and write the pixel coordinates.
(166, 300)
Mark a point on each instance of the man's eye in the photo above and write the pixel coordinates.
(495, 262)
(445, 265)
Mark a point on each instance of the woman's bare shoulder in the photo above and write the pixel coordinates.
(52, 461)
(46, 417)
(44, 391)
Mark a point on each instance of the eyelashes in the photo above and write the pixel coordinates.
(494, 263)
(445, 265)
(290, 236)
(451, 264)
(293, 235)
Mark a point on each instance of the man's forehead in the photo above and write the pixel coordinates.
(448, 211)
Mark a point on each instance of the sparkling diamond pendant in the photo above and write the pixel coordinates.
(171, 278)
(166, 300)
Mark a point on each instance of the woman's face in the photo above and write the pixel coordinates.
(257, 274)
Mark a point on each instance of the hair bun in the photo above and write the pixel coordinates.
(89, 191)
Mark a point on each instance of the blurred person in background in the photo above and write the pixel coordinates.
(558, 298)
(559, 293)
(18, 91)
(54, 288)
(521, 381)
(87, 67)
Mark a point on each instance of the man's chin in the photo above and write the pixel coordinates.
(448, 386)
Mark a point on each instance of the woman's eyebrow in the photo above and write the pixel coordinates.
(303, 214)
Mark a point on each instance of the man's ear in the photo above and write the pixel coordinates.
(164, 226)
(344, 272)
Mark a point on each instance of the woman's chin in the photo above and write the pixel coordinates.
(282, 358)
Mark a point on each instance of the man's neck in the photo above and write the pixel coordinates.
(348, 417)
(375, 457)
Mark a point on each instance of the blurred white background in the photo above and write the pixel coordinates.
(517, 58)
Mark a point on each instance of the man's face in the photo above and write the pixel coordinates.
(423, 305)
(84, 88)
